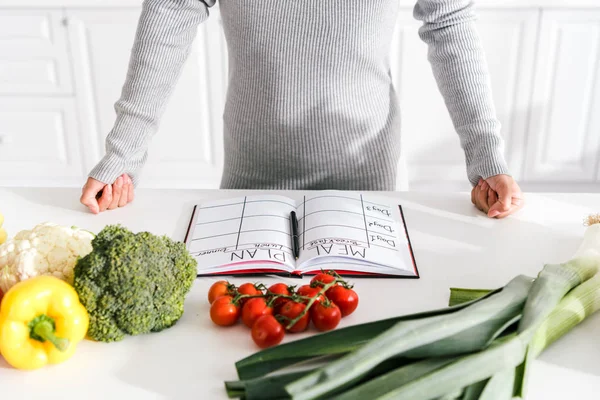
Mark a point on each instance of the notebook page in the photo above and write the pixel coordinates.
(242, 233)
(361, 229)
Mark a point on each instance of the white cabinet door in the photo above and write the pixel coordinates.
(564, 143)
(430, 143)
(39, 144)
(187, 151)
(33, 53)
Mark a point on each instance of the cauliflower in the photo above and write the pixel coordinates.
(47, 249)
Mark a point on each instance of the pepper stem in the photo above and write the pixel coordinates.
(42, 328)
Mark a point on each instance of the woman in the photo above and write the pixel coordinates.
(310, 102)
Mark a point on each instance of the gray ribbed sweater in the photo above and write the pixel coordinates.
(310, 101)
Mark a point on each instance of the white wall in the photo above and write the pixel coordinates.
(62, 65)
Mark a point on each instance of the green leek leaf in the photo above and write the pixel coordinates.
(462, 295)
(339, 341)
(499, 386)
(472, 392)
(394, 379)
(504, 353)
(406, 336)
(265, 388)
(272, 386)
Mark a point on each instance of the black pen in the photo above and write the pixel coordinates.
(295, 239)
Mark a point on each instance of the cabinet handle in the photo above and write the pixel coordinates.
(5, 139)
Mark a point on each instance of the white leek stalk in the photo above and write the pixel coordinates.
(590, 246)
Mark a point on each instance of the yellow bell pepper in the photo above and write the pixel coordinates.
(41, 322)
(3, 234)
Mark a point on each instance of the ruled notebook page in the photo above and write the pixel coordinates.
(352, 231)
(250, 232)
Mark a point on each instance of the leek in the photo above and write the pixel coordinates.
(339, 341)
(395, 378)
(479, 348)
(410, 335)
(505, 353)
(272, 386)
(580, 303)
(264, 388)
(576, 306)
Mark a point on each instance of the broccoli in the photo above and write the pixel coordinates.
(133, 284)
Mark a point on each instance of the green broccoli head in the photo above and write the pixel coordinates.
(133, 284)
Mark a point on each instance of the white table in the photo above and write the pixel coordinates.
(455, 245)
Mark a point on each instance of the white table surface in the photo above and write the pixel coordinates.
(454, 245)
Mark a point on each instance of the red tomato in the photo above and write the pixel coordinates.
(321, 280)
(326, 316)
(308, 291)
(279, 288)
(267, 331)
(290, 311)
(254, 309)
(218, 289)
(224, 312)
(346, 299)
(249, 289)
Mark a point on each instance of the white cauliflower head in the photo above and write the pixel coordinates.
(47, 249)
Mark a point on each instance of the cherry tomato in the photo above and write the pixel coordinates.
(267, 332)
(346, 299)
(224, 312)
(321, 280)
(249, 289)
(254, 309)
(218, 289)
(308, 291)
(326, 315)
(279, 288)
(290, 311)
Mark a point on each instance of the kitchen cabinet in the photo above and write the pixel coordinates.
(33, 53)
(564, 141)
(39, 143)
(63, 64)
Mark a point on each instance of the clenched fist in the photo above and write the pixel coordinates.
(99, 197)
(497, 196)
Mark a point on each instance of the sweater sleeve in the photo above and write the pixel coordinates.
(458, 62)
(165, 32)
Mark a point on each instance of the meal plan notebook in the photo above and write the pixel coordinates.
(351, 233)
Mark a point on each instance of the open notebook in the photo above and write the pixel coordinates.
(352, 233)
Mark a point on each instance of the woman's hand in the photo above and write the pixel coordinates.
(99, 197)
(498, 196)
